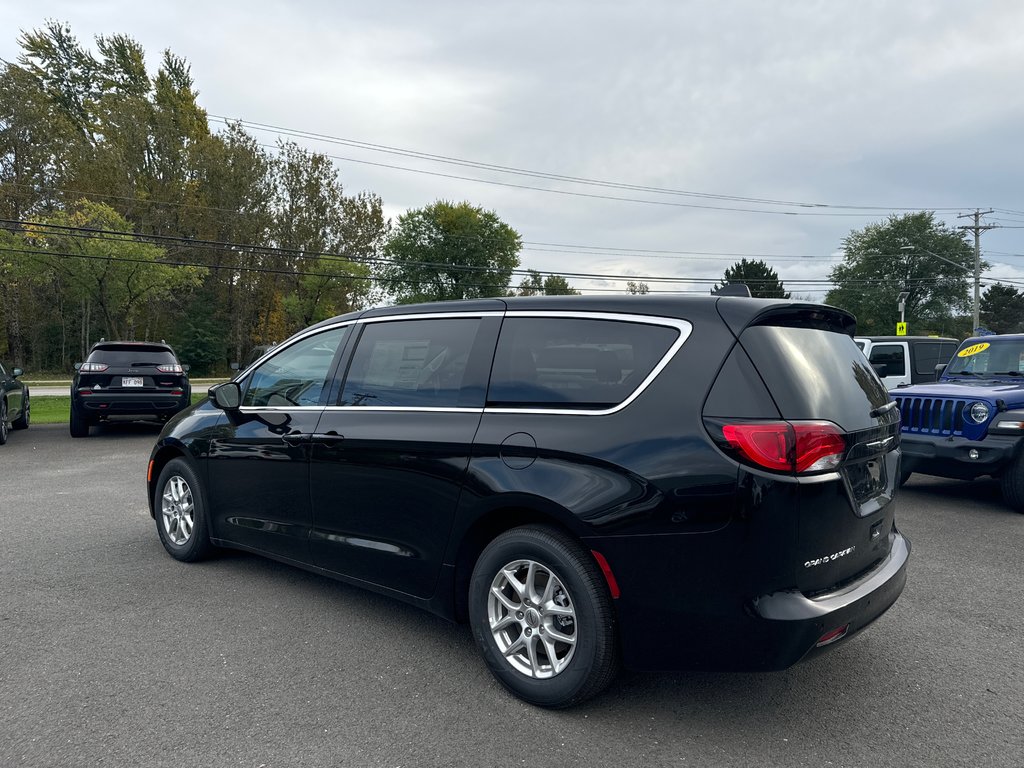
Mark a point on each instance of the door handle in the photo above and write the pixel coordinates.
(295, 438)
(327, 437)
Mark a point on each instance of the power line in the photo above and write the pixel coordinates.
(88, 233)
(446, 159)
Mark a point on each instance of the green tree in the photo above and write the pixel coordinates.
(119, 282)
(636, 288)
(552, 285)
(913, 253)
(450, 251)
(1002, 309)
(762, 280)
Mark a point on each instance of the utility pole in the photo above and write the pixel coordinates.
(977, 227)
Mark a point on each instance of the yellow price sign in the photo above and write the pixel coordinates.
(901, 329)
(973, 349)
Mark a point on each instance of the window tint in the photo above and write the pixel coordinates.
(558, 362)
(296, 375)
(413, 363)
(928, 354)
(128, 354)
(815, 374)
(892, 356)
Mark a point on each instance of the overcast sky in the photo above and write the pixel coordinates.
(890, 105)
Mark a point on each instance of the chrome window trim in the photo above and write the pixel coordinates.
(684, 327)
(404, 408)
(430, 316)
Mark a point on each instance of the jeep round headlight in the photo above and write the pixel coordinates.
(978, 412)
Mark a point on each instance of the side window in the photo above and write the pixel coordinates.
(892, 355)
(573, 362)
(413, 363)
(297, 375)
(926, 356)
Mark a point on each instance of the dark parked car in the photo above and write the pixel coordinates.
(970, 423)
(670, 482)
(127, 379)
(14, 402)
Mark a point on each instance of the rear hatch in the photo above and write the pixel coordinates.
(839, 454)
(132, 368)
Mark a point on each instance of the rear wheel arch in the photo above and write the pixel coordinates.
(483, 531)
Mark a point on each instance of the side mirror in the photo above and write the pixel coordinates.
(17, 372)
(939, 370)
(880, 369)
(233, 366)
(226, 396)
(186, 368)
(78, 366)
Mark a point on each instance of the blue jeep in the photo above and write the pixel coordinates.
(970, 422)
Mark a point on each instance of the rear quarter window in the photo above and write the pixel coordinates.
(574, 362)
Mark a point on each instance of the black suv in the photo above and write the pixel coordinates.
(134, 379)
(667, 482)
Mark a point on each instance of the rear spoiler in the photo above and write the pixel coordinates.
(743, 313)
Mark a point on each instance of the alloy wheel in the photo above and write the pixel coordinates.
(177, 510)
(532, 619)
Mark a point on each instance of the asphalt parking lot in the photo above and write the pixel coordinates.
(114, 654)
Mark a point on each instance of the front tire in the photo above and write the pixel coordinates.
(542, 616)
(180, 508)
(22, 421)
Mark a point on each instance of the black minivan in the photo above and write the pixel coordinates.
(662, 482)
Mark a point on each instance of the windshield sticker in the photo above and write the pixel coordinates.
(973, 349)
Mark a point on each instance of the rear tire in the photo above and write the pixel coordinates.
(1011, 483)
(180, 508)
(22, 421)
(79, 427)
(542, 616)
(3, 422)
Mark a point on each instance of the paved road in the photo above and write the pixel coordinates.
(113, 654)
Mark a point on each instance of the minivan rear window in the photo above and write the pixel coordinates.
(815, 374)
(577, 362)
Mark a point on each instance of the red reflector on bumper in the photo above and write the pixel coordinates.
(831, 637)
(613, 585)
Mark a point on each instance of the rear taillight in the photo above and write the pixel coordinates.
(788, 446)
(174, 368)
(93, 367)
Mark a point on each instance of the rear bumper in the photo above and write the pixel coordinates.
(723, 631)
(950, 456)
(156, 404)
(796, 621)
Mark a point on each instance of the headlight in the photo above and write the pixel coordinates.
(978, 412)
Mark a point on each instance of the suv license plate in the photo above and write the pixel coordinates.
(131, 382)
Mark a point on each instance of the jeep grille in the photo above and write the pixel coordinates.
(932, 415)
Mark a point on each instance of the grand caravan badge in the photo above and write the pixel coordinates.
(829, 558)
